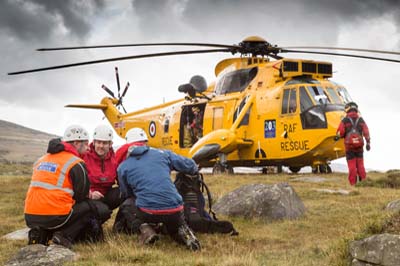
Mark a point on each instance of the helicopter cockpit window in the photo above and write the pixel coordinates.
(312, 115)
(333, 96)
(289, 101)
(305, 100)
(236, 81)
(318, 94)
(344, 95)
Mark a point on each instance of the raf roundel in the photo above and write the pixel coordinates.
(152, 129)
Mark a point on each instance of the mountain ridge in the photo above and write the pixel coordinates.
(20, 144)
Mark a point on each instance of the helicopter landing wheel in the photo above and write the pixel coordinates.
(323, 168)
(294, 169)
(328, 169)
(314, 169)
(264, 170)
(220, 169)
(279, 169)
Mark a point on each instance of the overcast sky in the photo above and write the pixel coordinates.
(36, 100)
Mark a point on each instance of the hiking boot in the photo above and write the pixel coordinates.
(34, 236)
(186, 236)
(147, 234)
(38, 235)
(59, 239)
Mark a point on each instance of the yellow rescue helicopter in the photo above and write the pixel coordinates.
(259, 112)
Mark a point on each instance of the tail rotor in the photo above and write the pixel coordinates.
(120, 96)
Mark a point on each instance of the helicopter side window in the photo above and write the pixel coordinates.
(285, 101)
(333, 96)
(289, 101)
(344, 95)
(305, 100)
(318, 94)
(236, 81)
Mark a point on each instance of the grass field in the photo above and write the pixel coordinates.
(318, 238)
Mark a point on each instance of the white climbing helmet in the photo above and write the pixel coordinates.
(136, 134)
(75, 132)
(103, 132)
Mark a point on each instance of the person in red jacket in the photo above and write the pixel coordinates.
(102, 168)
(354, 155)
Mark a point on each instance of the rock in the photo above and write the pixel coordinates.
(35, 255)
(313, 179)
(381, 249)
(394, 206)
(360, 263)
(336, 191)
(269, 202)
(21, 234)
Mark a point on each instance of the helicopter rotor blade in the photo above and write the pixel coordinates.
(120, 59)
(342, 48)
(339, 54)
(139, 45)
(117, 77)
(125, 90)
(123, 108)
(104, 87)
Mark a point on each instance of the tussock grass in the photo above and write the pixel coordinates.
(391, 179)
(320, 237)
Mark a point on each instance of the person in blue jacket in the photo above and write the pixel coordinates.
(145, 175)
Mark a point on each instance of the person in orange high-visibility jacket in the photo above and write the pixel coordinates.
(56, 200)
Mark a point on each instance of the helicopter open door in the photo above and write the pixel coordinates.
(191, 125)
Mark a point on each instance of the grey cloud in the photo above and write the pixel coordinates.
(39, 19)
(300, 19)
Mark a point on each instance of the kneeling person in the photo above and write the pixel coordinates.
(102, 168)
(145, 174)
(55, 203)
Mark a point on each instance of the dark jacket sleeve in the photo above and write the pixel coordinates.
(80, 181)
(182, 164)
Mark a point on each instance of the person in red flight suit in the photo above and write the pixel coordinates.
(102, 168)
(56, 204)
(354, 155)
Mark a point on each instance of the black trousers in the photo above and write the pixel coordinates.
(70, 225)
(112, 198)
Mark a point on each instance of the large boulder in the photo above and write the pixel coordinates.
(268, 202)
(381, 250)
(35, 255)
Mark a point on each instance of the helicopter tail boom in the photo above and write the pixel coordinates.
(88, 106)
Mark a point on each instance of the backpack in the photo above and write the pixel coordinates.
(191, 189)
(354, 139)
